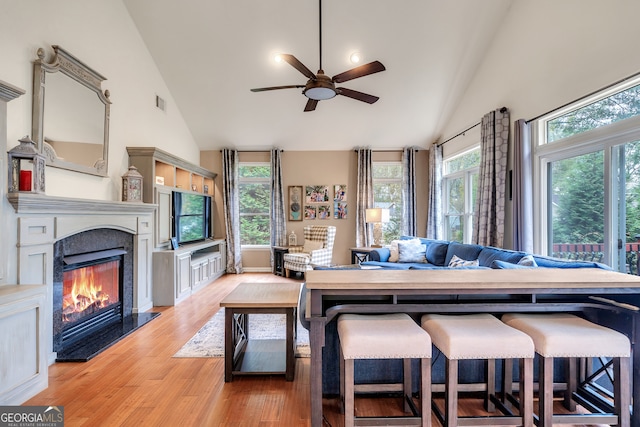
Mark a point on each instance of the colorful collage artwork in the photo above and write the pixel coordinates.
(317, 202)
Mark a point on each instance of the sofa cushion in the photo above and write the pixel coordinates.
(551, 262)
(488, 254)
(388, 265)
(459, 262)
(498, 264)
(437, 252)
(462, 250)
(411, 251)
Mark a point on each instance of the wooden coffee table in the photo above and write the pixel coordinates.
(245, 356)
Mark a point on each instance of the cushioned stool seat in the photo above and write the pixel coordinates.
(481, 336)
(384, 336)
(568, 336)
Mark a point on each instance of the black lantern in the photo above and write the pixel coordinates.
(132, 185)
(26, 168)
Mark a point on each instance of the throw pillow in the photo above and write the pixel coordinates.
(456, 261)
(528, 260)
(411, 251)
(437, 252)
(311, 245)
(393, 251)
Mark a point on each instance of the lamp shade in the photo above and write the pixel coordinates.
(373, 215)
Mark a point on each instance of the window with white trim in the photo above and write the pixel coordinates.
(254, 189)
(387, 194)
(587, 184)
(459, 192)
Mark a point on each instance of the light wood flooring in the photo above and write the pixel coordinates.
(137, 382)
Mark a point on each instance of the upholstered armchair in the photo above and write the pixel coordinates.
(317, 249)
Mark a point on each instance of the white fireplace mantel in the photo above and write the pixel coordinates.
(43, 220)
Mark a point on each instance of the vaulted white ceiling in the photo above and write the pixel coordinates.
(212, 52)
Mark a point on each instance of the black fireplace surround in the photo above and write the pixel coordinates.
(95, 334)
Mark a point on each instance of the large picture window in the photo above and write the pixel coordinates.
(460, 188)
(254, 190)
(588, 179)
(387, 194)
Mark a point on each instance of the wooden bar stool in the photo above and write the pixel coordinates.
(482, 336)
(384, 336)
(561, 335)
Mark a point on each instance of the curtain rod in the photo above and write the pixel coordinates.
(385, 151)
(502, 110)
(255, 151)
(633, 76)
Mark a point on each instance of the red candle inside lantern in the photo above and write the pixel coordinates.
(25, 181)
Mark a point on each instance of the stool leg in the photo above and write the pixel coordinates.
(572, 384)
(349, 398)
(622, 393)
(406, 374)
(342, 380)
(491, 385)
(546, 392)
(451, 394)
(425, 391)
(526, 392)
(507, 381)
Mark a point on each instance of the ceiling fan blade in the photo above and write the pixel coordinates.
(361, 71)
(293, 61)
(364, 97)
(262, 89)
(311, 105)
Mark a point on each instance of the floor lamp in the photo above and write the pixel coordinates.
(377, 216)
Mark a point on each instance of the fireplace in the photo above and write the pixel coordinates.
(93, 293)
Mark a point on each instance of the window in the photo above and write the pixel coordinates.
(387, 194)
(255, 194)
(460, 187)
(587, 163)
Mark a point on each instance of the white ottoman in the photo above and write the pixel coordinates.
(562, 335)
(383, 336)
(481, 336)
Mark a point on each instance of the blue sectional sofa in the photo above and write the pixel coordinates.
(437, 254)
(440, 253)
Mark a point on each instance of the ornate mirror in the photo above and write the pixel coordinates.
(70, 113)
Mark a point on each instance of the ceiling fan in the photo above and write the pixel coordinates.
(320, 86)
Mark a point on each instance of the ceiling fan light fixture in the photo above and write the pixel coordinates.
(355, 58)
(319, 93)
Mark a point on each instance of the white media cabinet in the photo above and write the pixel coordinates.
(179, 273)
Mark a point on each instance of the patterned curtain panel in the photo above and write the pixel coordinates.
(489, 213)
(434, 217)
(364, 197)
(522, 188)
(278, 225)
(409, 227)
(231, 199)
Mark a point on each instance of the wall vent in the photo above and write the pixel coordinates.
(160, 103)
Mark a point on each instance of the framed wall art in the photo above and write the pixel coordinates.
(340, 193)
(295, 203)
(316, 194)
(310, 212)
(324, 212)
(339, 210)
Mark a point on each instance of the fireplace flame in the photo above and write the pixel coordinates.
(86, 291)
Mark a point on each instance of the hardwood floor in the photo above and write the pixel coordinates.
(137, 382)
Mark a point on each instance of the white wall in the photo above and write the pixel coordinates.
(101, 34)
(549, 53)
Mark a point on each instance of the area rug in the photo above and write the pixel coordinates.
(209, 340)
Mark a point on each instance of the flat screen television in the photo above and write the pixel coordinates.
(191, 217)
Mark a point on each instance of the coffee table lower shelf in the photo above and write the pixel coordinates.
(261, 357)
